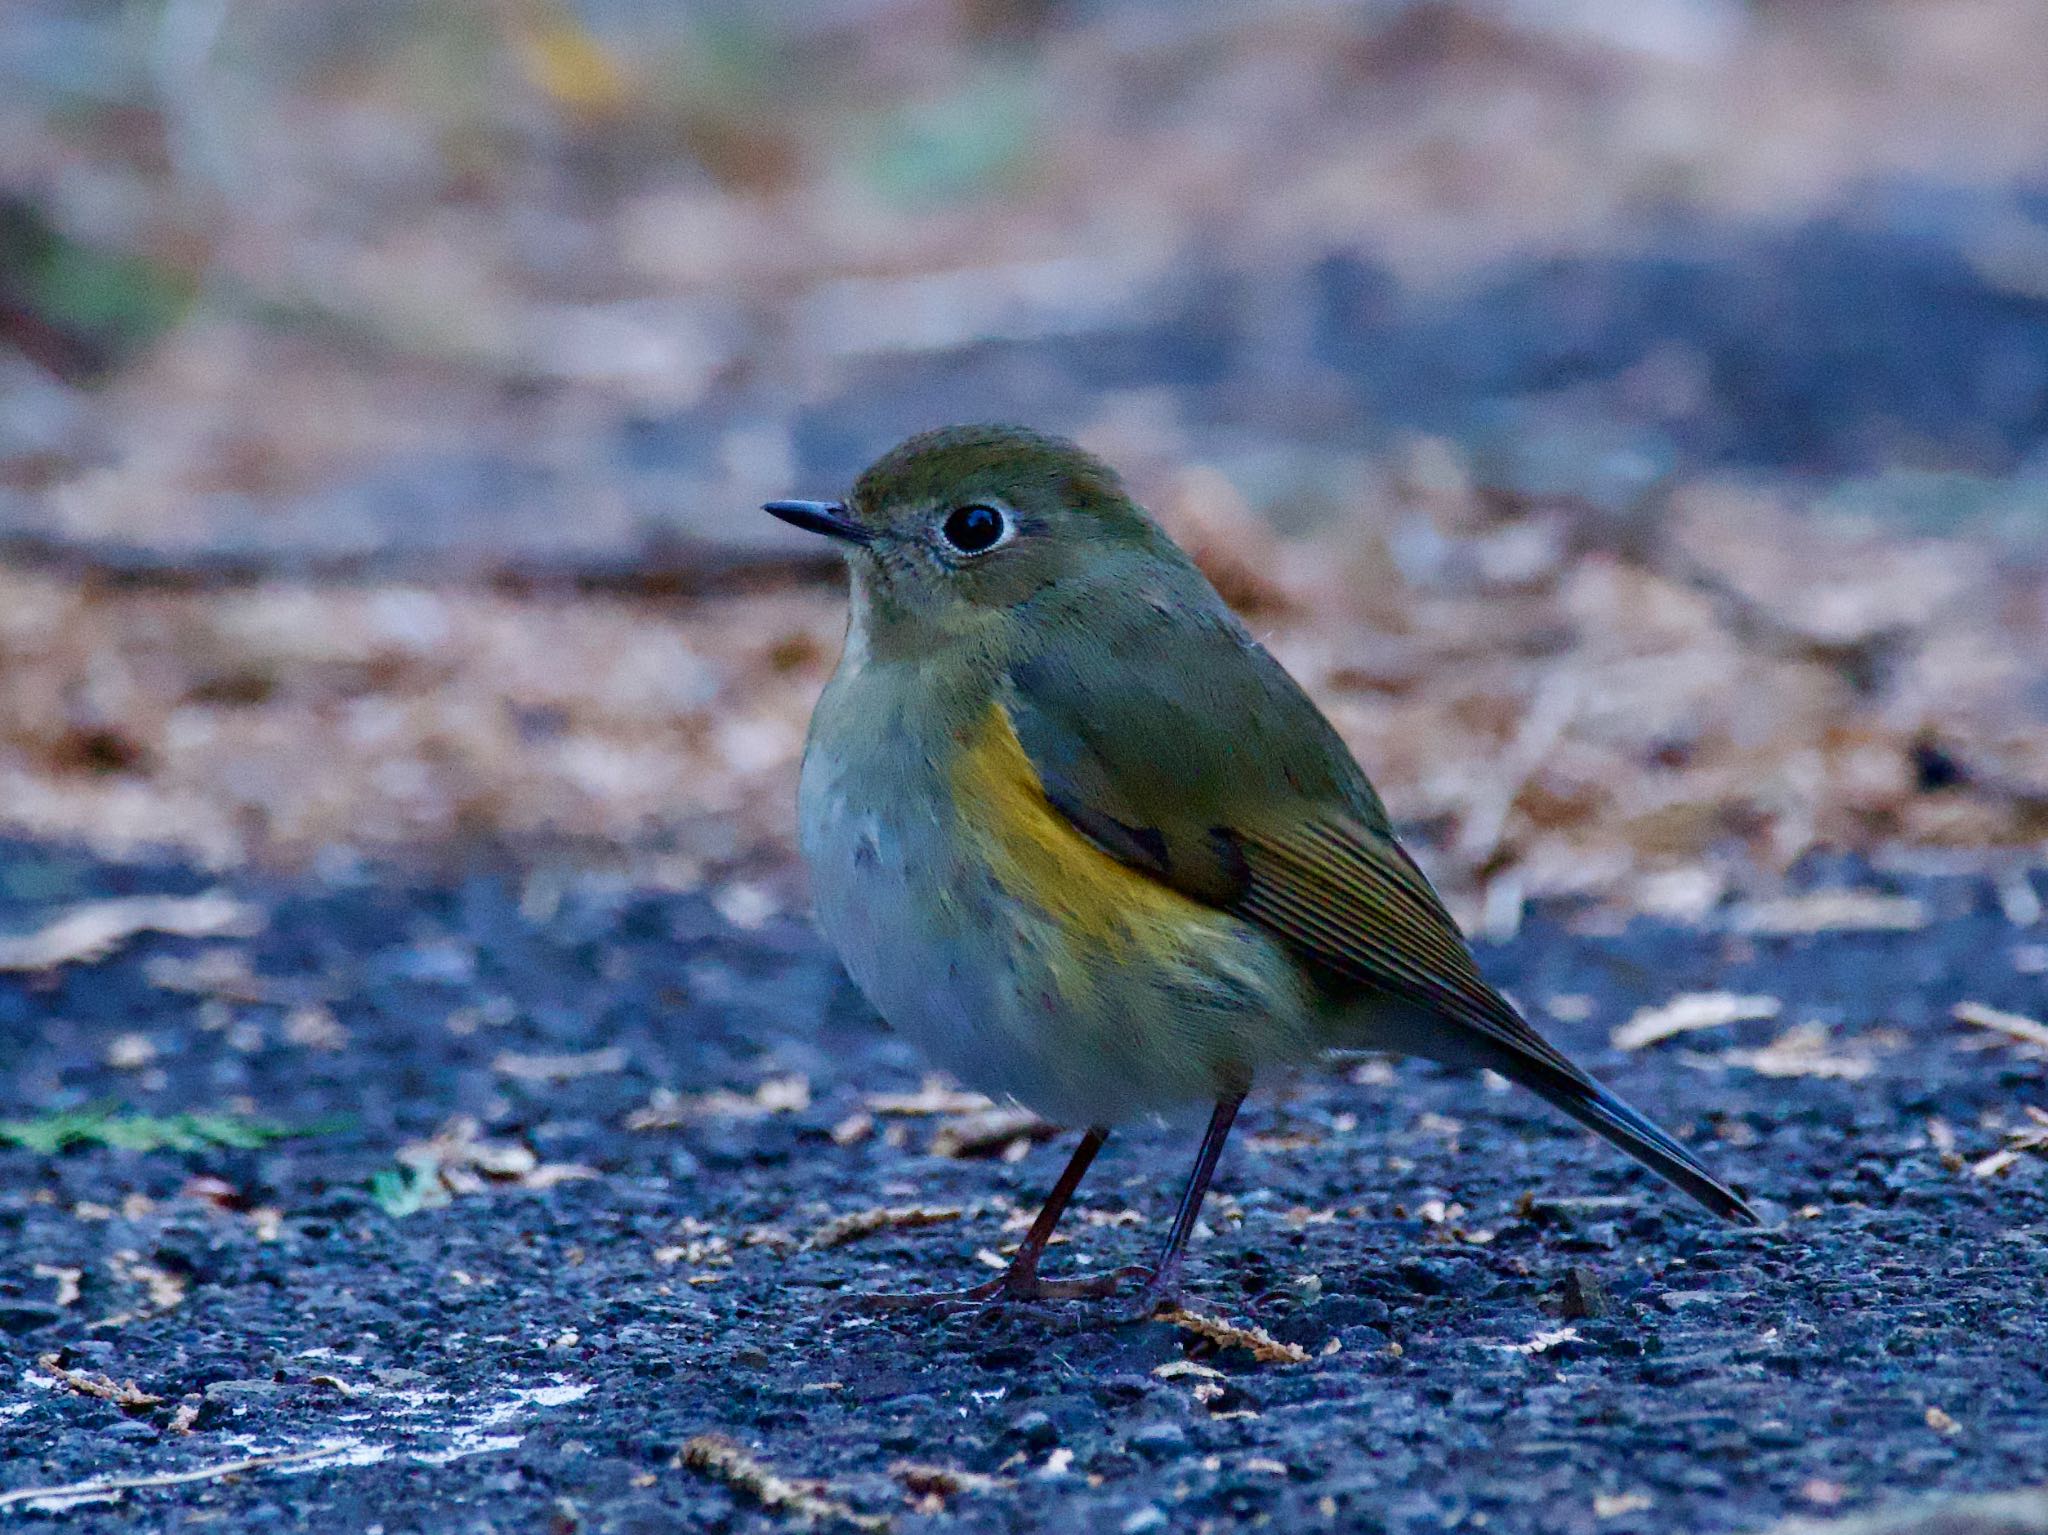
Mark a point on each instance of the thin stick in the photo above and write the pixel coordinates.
(115, 1484)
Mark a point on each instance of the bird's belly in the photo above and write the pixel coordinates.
(1030, 965)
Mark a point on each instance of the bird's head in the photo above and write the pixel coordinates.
(963, 532)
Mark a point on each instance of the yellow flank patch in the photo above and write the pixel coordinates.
(1039, 859)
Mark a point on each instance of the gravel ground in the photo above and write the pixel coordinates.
(579, 1298)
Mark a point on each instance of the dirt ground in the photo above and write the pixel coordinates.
(567, 1172)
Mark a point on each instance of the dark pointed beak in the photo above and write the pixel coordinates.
(826, 517)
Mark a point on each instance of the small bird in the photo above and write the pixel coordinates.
(1074, 832)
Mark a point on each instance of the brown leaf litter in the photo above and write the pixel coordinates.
(1587, 699)
(860, 1223)
(668, 735)
(724, 1460)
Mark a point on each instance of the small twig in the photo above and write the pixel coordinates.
(1263, 1346)
(96, 929)
(718, 1457)
(105, 1388)
(1688, 1011)
(107, 1486)
(2014, 1026)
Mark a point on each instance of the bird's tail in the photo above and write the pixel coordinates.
(1479, 1027)
(1608, 1117)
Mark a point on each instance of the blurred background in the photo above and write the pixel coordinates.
(1629, 417)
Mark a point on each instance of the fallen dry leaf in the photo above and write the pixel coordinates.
(462, 1161)
(2020, 1140)
(860, 1223)
(1262, 1345)
(935, 1096)
(560, 1068)
(67, 1280)
(989, 1131)
(1689, 1011)
(2015, 1026)
(123, 1394)
(91, 932)
(670, 1110)
(1612, 1505)
(1801, 1051)
(932, 1485)
(1830, 911)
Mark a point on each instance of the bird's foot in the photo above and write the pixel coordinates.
(1012, 1286)
(1161, 1293)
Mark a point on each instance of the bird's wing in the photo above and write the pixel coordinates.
(1181, 748)
(1217, 776)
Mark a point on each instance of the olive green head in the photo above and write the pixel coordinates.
(952, 530)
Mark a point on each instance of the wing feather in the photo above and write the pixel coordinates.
(1274, 822)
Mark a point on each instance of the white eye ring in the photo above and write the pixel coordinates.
(976, 528)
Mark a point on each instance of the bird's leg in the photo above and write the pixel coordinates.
(1020, 1281)
(1163, 1288)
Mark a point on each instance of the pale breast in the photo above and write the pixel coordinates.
(1016, 953)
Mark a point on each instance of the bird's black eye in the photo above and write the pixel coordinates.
(974, 529)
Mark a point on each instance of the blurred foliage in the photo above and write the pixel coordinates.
(78, 311)
(964, 142)
(53, 1133)
(407, 1190)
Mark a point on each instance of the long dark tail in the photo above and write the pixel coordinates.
(1480, 1027)
(1607, 1116)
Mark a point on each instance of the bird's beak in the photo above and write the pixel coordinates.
(827, 517)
